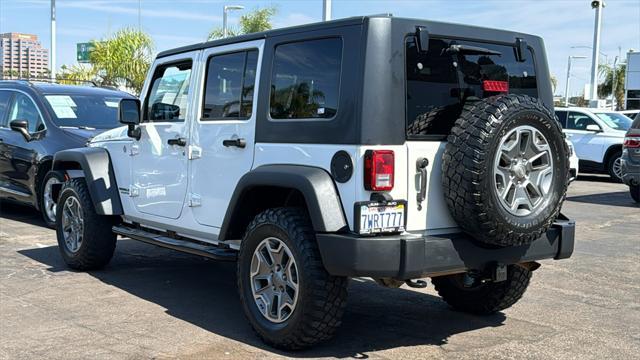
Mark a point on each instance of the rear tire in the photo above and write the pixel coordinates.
(614, 166)
(634, 190)
(85, 239)
(483, 298)
(319, 301)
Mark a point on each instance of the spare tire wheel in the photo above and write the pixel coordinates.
(504, 170)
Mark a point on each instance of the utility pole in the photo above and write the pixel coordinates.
(52, 59)
(326, 10)
(139, 15)
(566, 88)
(613, 84)
(225, 10)
(598, 5)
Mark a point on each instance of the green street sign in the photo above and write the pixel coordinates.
(83, 51)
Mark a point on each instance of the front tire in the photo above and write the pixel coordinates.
(287, 295)
(483, 298)
(85, 239)
(45, 199)
(634, 190)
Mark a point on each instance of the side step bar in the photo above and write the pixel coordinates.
(191, 247)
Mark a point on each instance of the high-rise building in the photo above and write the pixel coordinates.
(22, 54)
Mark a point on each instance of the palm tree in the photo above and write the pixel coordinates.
(554, 83)
(123, 59)
(606, 88)
(256, 21)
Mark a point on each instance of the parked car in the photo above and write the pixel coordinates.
(574, 162)
(631, 160)
(597, 136)
(354, 147)
(631, 114)
(36, 121)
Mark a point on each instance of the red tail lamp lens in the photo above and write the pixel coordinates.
(379, 170)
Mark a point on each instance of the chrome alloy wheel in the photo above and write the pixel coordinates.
(47, 199)
(523, 170)
(617, 168)
(72, 224)
(274, 280)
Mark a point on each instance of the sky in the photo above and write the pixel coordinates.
(565, 25)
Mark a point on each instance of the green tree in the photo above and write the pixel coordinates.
(77, 74)
(255, 21)
(606, 87)
(123, 59)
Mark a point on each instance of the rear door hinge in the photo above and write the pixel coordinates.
(195, 200)
(195, 152)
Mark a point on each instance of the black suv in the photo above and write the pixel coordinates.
(36, 121)
(631, 159)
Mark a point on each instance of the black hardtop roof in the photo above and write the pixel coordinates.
(46, 88)
(470, 29)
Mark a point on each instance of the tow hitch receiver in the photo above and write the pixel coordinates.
(499, 273)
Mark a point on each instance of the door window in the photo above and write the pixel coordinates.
(562, 118)
(229, 86)
(5, 96)
(169, 92)
(578, 121)
(305, 81)
(24, 109)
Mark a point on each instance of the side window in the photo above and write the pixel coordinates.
(24, 109)
(562, 118)
(305, 79)
(578, 121)
(229, 85)
(168, 94)
(5, 97)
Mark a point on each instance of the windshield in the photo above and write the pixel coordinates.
(615, 121)
(85, 111)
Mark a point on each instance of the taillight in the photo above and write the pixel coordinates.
(495, 86)
(631, 142)
(378, 170)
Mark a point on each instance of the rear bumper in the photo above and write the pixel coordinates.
(408, 257)
(630, 170)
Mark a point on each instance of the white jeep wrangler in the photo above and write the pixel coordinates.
(382, 147)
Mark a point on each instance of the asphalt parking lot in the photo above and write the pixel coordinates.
(155, 303)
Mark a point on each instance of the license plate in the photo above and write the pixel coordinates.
(377, 218)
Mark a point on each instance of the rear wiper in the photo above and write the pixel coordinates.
(471, 50)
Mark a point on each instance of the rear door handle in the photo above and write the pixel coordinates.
(180, 141)
(239, 142)
(421, 167)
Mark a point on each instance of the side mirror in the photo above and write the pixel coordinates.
(129, 111)
(594, 128)
(422, 38)
(129, 114)
(21, 126)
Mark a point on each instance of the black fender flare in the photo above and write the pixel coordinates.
(96, 167)
(315, 184)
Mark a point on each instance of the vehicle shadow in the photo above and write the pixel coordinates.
(22, 213)
(615, 198)
(203, 293)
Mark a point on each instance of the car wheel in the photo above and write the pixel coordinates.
(474, 295)
(634, 190)
(46, 203)
(505, 179)
(85, 239)
(614, 166)
(287, 295)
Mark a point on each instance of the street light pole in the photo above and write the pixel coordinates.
(566, 88)
(613, 84)
(52, 59)
(326, 10)
(225, 10)
(598, 5)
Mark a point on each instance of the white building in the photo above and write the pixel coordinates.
(632, 81)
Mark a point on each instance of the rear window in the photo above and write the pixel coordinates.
(440, 81)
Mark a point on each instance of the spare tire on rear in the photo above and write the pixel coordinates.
(505, 170)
